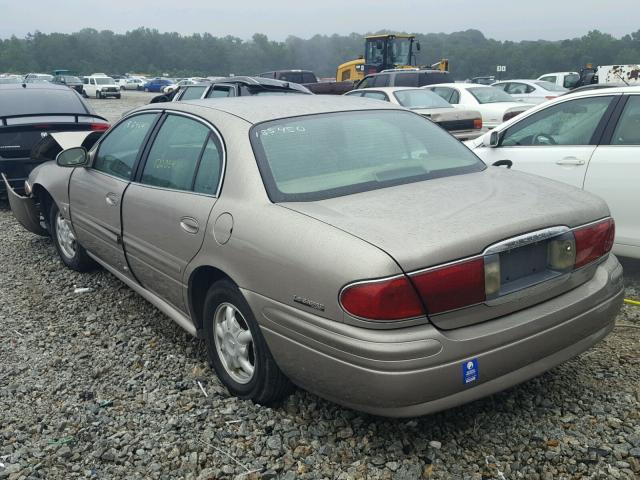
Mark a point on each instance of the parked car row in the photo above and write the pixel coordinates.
(408, 268)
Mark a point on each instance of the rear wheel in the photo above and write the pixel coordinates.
(237, 350)
(119, 96)
(71, 252)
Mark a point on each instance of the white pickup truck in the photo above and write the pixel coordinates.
(100, 86)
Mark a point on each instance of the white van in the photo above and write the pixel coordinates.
(100, 86)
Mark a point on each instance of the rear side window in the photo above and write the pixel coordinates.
(210, 168)
(628, 129)
(174, 155)
(376, 96)
(308, 77)
(550, 78)
(118, 151)
(406, 80)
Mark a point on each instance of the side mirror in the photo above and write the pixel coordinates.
(492, 141)
(72, 157)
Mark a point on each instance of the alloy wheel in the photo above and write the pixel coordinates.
(65, 236)
(234, 343)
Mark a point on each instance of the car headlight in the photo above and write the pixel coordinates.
(27, 187)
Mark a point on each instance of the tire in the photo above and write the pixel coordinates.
(98, 94)
(267, 384)
(119, 96)
(75, 257)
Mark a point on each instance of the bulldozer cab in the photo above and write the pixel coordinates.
(383, 52)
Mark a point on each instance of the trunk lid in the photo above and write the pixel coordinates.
(430, 223)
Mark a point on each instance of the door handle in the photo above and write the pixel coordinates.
(570, 161)
(111, 199)
(189, 225)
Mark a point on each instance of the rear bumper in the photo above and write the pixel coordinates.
(464, 135)
(24, 209)
(17, 171)
(419, 370)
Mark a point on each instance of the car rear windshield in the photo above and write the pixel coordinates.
(328, 155)
(490, 95)
(420, 98)
(551, 87)
(33, 101)
(105, 81)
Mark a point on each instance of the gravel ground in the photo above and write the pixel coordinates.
(102, 385)
(112, 108)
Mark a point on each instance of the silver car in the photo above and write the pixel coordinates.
(349, 247)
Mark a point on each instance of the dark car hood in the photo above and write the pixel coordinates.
(435, 221)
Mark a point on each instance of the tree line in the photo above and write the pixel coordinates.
(152, 52)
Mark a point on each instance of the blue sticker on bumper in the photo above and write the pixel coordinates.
(470, 372)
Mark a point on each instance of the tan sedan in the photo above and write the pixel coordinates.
(350, 247)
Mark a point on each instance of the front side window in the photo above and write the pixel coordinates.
(550, 78)
(105, 81)
(219, 92)
(449, 95)
(500, 86)
(328, 155)
(118, 151)
(366, 82)
(193, 93)
(490, 95)
(571, 80)
(567, 123)
(381, 80)
(173, 158)
(628, 129)
(515, 88)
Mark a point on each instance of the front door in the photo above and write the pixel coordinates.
(165, 212)
(556, 142)
(95, 193)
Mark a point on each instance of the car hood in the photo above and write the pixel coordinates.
(431, 222)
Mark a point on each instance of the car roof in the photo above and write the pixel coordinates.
(557, 73)
(257, 109)
(458, 85)
(607, 91)
(524, 80)
(385, 89)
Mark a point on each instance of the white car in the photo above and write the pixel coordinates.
(590, 140)
(531, 91)
(464, 124)
(100, 86)
(132, 84)
(495, 105)
(562, 79)
(183, 83)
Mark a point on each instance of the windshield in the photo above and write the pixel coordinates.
(551, 87)
(105, 81)
(399, 51)
(328, 155)
(420, 98)
(490, 95)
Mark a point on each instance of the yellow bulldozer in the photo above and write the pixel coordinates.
(384, 52)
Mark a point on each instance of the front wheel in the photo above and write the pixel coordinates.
(72, 254)
(237, 350)
(119, 96)
(98, 94)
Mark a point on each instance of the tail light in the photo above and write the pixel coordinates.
(99, 127)
(594, 241)
(391, 299)
(467, 282)
(451, 287)
(477, 123)
(551, 97)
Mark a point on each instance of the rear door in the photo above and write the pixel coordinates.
(614, 173)
(165, 211)
(556, 142)
(95, 193)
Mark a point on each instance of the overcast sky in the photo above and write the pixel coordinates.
(499, 19)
